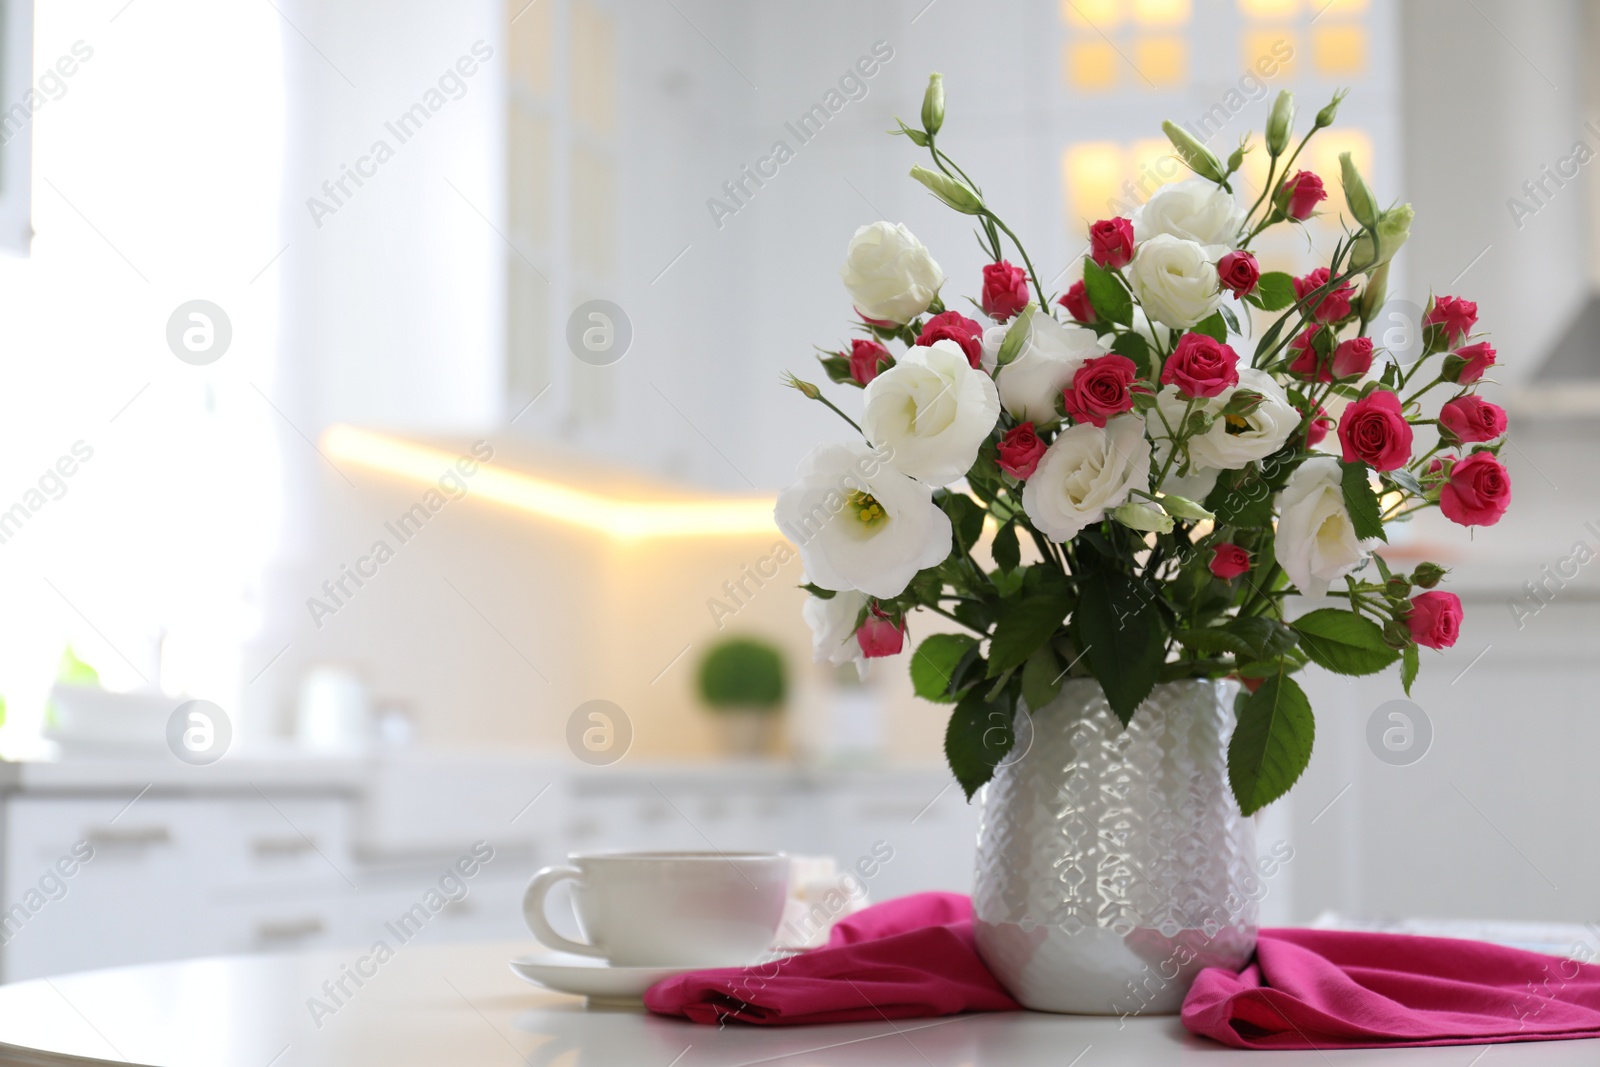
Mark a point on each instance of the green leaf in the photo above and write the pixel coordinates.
(1272, 743)
(1408, 667)
(1405, 480)
(1136, 348)
(1274, 291)
(819, 592)
(1343, 642)
(977, 738)
(1006, 549)
(1121, 634)
(1041, 678)
(1024, 624)
(1267, 638)
(1107, 295)
(1212, 326)
(1016, 336)
(934, 663)
(1230, 318)
(965, 516)
(1241, 498)
(1360, 501)
(838, 369)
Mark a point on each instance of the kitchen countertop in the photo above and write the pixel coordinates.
(460, 1004)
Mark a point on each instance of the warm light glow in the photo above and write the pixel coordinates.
(616, 517)
(1091, 65)
(1324, 151)
(1268, 9)
(1092, 14)
(1161, 12)
(1164, 59)
(1339, 50)
(1258, 45)
(1092, 175)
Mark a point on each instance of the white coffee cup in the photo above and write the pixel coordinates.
(667, 909)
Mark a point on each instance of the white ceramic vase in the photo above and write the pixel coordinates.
(1113, 865)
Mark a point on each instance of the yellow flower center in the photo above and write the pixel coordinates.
(868, 511)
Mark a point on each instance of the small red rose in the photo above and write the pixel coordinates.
(881, 635)
(867, 358)
(1317, 428)
(1478, 491)
(954, 326)
(1374, 431)
(1468, 364)
(1471, 418)
(1101, 389)
(1332, 306)
(1005, 290)
(1302, 193)
(1201, 366)
(1435, 619)
(1020, 451)
(1456, 315)
(1228, 561)
(1111, 242)
(1239, 272)
(1076, 301)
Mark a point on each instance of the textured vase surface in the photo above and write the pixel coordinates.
(1113, 865)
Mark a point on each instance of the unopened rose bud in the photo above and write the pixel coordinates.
(1200, 159)
(1143, 516)
(954, 194)
(881, 635)
(1427, 575)
(806, 389)
(1280, 123)
(1396, 634)
(1326, 116)
(933, 104)
(1397, 587)
(1363, 208)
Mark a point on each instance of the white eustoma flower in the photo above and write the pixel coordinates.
(833, 628)
(932, 410)
(1316, 543)
(1049, 358)
(1175, 280)
(1086, 472)
(890, 275)
(859, 523)
(1195, 210)
(1233, 440)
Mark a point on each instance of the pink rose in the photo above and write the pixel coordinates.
(1020, 451)
(1201, 366)
(1239, 272)
(1374, 431)
(1111, 242)
(867, 358)
(1478, 491)
(1101, 388)
(1076, 301)
(1318, 427)
(954, 326)
(1334, 305)
(1472, 418)
(1302, 193)
(881, 635)
(1005, 290)
(1469, 363)
(1228, 561)
(1456, 315)
(883, 324)
(1435, 619)
(1351, 359)
(1304, 363)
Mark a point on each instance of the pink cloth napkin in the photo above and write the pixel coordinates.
(901, 959)
(1327, 989)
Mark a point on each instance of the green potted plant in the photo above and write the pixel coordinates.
(743, 682)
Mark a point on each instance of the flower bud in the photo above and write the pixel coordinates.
(1376, 292)
(1236, 158)
(1396, 634)
(806, 389)
(1363, 208)
(1181, 507)
(933, 104)
(1143, 516)
(954, 194)
(1394, 229)
(917, 137)
(1427, 575)
(1200, 159)
(1397, 587)
(1280, 123)
(1326, 116)
(1016, 336)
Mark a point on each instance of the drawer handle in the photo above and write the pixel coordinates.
(276, 847)
(133, 836)
(288, 930)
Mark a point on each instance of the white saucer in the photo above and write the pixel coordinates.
(587, 977)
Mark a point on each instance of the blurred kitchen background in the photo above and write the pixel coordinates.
(539, 654)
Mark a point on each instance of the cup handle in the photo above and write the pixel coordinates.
(533, 912)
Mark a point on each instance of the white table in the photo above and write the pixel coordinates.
(459, 1006)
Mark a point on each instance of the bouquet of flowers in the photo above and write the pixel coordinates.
(1155, 460)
